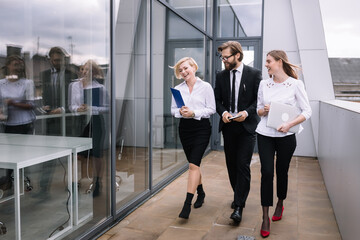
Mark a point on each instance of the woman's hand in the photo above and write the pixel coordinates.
(266, 109)
(82, 108)
(186, 112)
(285, 127)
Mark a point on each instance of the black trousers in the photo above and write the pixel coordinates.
(284, 148)
(238, 146)
(20, 129)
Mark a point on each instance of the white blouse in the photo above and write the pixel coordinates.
(201, 100)
(291, 92)
(21, 90)
(76, 97)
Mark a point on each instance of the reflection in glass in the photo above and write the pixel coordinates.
(132, 101)
(239, 18)
(192, 9)
(171, 42)
(55, 39)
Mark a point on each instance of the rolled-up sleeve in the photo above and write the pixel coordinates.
(303, 100)
(260, 98)
(174, 109)
(209, 104)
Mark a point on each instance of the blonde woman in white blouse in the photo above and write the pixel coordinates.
(194, 127)
(95, 104)
(282, 87)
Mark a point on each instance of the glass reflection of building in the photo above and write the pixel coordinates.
(134, 43)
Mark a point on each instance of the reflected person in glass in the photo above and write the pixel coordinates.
(17, 101)
(88, 96)
(55, 83)
(283, 86)
(194, 127)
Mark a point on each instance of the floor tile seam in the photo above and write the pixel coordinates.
(157, 234)
(237, 227)
(188, 228)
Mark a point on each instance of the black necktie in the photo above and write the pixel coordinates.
(232, 107)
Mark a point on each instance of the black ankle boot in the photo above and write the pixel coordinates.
(185, 212)
(200, 200)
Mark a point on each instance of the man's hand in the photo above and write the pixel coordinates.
(56, 111)
(242, 118)
(226, 117)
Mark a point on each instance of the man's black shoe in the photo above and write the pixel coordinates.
(237, 214)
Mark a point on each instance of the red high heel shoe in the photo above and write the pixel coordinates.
(275, 218)
(264, 233)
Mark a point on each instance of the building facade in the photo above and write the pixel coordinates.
(118, 53)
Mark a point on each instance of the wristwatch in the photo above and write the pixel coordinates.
(193, 115)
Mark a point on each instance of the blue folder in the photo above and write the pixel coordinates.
(92, 97)
(178, 98)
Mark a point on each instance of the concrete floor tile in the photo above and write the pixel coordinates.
(132, 234)
(166, 210)
(314, 203)
(308, 212)
(181, 234)
(317, 226)
(227, 233)
(150, 223)
(319, 236)
(317, 213)
(105, 237)
(118, 227)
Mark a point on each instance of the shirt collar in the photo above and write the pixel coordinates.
(241, 67)
(54, 70)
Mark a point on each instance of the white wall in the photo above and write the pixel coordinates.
(295, 26)
(339, 151)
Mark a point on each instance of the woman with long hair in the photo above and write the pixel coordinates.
(89, 96)
(284, 87)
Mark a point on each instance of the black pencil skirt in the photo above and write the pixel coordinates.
(194, 137)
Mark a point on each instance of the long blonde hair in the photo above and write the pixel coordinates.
(288, 67)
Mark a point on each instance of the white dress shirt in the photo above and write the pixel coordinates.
(201, 100)
(291, 92)
(238, 76)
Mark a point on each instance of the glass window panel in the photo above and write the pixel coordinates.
(209, 16)
(239, 18)
(57, 55)
(132, 101)
(171, 42)
(194, 10)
